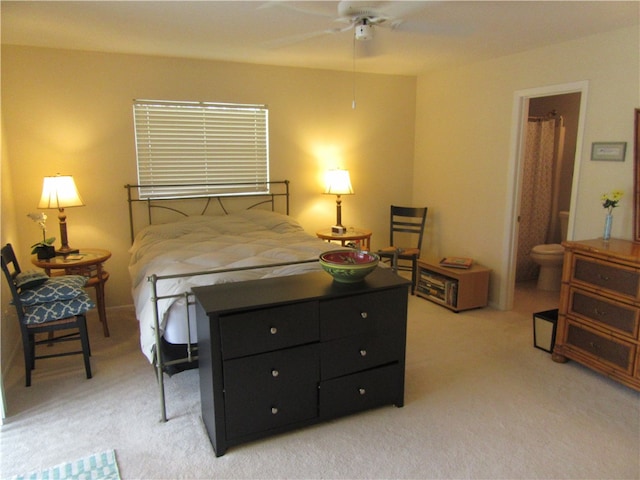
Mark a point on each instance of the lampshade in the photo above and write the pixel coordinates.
(59, 192)
(338, 182)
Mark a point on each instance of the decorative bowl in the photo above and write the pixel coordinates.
(348, 266)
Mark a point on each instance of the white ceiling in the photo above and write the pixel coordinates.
(435, 34)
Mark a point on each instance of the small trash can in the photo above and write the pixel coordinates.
(544, 329)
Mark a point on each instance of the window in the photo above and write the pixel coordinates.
(201, 143)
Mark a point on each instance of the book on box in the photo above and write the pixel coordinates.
(456, 262)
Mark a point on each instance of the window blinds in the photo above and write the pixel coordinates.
(181, 143)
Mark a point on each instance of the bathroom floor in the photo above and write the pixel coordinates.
(527, 298)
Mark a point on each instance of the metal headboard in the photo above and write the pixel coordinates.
(276, 189)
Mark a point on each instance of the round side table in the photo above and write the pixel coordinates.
(88, 263)
(351, 235)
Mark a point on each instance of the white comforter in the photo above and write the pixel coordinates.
(201, 243)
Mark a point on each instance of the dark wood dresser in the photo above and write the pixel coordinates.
(281, 353)
(599, 314)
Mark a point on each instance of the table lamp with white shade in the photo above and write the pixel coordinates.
(60, 192)
(338, 183)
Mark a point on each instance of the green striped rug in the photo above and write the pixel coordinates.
(101, 466)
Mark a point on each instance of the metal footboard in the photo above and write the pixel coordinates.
(160, 364)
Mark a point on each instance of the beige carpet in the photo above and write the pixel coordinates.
(480, 402)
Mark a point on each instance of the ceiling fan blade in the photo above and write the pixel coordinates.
(428, 28)
(293, 39)
(300, 7)
(398, 10)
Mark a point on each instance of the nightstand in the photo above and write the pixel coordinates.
(351, 235)
(88, 263)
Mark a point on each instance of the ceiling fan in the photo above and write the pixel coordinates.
(360, 16)
(363, 18)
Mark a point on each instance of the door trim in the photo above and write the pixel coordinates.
(516, 149)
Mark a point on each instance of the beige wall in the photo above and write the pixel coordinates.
(464, 133)
(71, 112)
(10, 342)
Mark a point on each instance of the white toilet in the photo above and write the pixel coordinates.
(549, 257)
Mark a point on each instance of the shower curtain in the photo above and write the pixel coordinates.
(537, 196)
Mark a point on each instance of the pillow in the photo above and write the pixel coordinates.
(54, 289)
(47, 312)
(274, 221)
(30, 279)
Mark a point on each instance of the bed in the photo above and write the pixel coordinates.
(178, 250)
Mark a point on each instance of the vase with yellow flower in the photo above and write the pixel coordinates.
(609, 202)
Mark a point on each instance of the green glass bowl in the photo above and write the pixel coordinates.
(348, 266)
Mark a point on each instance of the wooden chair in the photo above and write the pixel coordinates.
(406, 229)
(48, 305)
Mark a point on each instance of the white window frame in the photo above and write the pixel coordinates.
(216, 148)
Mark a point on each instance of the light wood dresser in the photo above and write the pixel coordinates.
(599, 313)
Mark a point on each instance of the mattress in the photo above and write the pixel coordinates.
(206, 243)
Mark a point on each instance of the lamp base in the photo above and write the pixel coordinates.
(339, 229)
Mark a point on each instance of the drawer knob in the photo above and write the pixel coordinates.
(363, 353)
(603, 277)
(275, 373)
(364, 314)
(362, 391)
(274, 410)
(599, 313)
(273, 330)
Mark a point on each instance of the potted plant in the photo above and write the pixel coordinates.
(45, 248)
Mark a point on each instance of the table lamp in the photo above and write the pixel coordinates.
(60, 192)
(338, 183)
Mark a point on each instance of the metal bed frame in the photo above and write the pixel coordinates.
(151, 204)
(164, 203)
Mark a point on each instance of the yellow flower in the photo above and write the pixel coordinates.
(610, 200)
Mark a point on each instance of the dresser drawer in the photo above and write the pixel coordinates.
(271, 390)
(362, 314)
(352, 354)
(268, 329)
(605, 312)
(361, 391)
(612, 277)
(607, 350)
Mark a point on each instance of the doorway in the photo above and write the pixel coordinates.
(540, 102)
(547, 175)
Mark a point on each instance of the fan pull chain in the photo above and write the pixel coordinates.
(353, 102)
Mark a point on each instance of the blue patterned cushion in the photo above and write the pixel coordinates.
(30, 279)
(48, 312)
(54, 289)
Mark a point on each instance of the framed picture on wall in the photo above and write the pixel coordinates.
(609, 151)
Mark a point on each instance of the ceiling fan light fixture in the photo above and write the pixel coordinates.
(364, 31)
